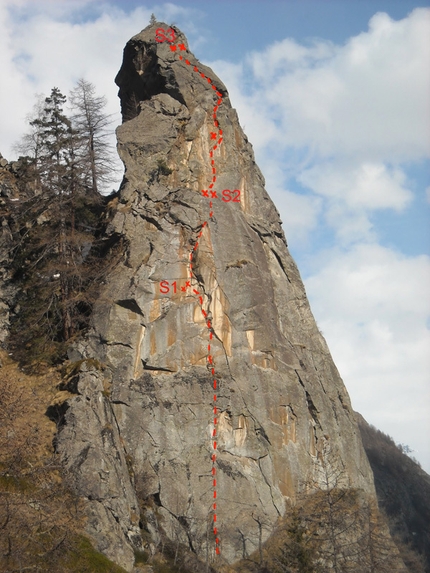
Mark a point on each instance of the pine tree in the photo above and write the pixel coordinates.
(91, 123)
(55, 235)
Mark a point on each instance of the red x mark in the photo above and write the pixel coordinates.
(183, 289)
(205, 193)
(188, 284)
(182, 47)
(173, 48)
(214, 195)
(213, 135)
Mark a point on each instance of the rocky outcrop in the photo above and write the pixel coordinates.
(204, 379)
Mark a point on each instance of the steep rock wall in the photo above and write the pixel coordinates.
(144, 413)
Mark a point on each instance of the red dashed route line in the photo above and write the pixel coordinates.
(216, 136)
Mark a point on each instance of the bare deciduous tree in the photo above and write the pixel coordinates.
(92, 124)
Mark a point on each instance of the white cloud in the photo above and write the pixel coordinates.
(373, 307)
(368, 185)
(353, 191)
(367, 99)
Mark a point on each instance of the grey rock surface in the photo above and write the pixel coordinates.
(145, 422)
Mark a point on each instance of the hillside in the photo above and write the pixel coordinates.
(402, 487)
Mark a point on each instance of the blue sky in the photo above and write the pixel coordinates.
(334, 96)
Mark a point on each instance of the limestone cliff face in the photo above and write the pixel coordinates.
(206, 290)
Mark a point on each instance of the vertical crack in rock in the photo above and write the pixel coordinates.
(150, 334)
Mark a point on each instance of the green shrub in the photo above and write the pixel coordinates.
(83, 558)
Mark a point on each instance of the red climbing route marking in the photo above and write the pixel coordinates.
(162, 35)
(165, 286)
